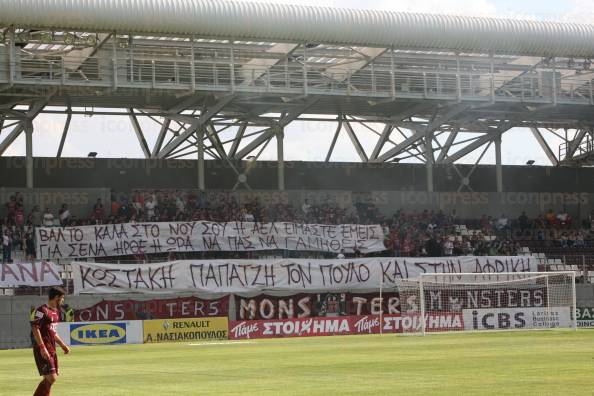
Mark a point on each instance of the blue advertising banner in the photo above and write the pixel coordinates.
(97, 333)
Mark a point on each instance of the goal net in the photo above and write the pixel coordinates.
(478, 302)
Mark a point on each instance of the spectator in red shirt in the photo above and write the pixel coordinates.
(6, 247)
(115, 206)
(11, 208)
(19, 217)
(98, 212)
(407, 246)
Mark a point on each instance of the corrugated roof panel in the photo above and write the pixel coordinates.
(280, 22)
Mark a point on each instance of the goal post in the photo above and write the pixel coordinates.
(435, 303)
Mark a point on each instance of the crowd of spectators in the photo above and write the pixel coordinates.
(427, 233)
(435, 234)
(431, 233)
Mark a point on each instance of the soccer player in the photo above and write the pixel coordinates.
(44, 322)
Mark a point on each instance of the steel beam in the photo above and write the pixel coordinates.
(249, 167)
(280, 134)
(419, 153)
(268, 133)
(573, 145)
(139, 134)
(29, 152)
(64, 133)
(473, 168)
(384, 137)
(196, 125)
(236, 118)
(161, 137)
(334, 139)
(402, 146)
(486, 138)
(200, 149)
(448, 145)
(237, 140)
(356, 143)
(264, 136)
(435, 123)
(545, 146)
(184, 104)
(33, 111)
(429, 159)
(212, 135)
(498, 167)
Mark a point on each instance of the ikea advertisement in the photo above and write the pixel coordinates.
(101, 333)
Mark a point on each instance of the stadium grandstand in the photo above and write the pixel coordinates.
(209, 91)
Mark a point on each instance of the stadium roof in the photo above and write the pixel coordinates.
(439, 87)
(261, 21)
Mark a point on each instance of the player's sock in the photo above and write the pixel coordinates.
(43, 389)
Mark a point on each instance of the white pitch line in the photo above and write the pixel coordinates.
(223, 343)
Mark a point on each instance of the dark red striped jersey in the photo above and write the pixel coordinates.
(46, 320)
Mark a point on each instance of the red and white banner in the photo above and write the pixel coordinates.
(344, 325)
(38, 273)
(307, 305)
(183, 307)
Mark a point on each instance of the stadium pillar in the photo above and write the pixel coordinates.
(498, 169)
(280, 135)
(200, 148)
(28, 123)
(429, 160)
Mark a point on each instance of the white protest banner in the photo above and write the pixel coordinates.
(144, 238)
(39, 273)
(237, 276)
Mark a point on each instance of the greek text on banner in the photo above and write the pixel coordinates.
(196, 329)
(345, 325)
(237, 276)
(39, 273)
(145, 238)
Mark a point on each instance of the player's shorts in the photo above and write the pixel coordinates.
(44, 366)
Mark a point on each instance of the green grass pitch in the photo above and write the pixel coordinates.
(506, 363)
